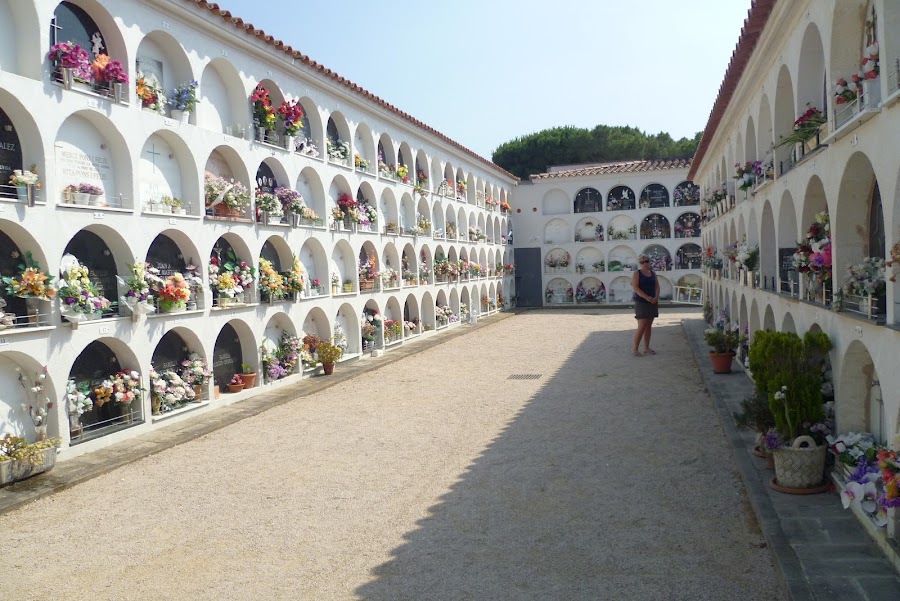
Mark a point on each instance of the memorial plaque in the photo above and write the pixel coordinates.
(10, 150)
(265, 179)
(588, 200)
(227, 356)
(655, 196)
(786, 269)
(687, 193)
(10, 259)
(96, 363)
(621, 198)
(92, 252)
(169, 353)
(689, 257)
(165, 255)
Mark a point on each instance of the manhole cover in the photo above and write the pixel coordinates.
(524, 377)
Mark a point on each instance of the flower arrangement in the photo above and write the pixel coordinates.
(184, 97)
(263, 111)
(869, 62)
(367, 213)
(337, 150)
(805, 127)
(271, 282)
(24, 177)
(813, 255)
(504, 206)
(289, 351)
(360, 163)
(844, 92)
(310, 215)
(554, 261)
(747, 173)
(126, 387)
(403, 173)
(150, 91)
(291, 201)
(293, 279)
(105, 70)
(173, 293)
(87, 188)
(450, 230)
(268, 202)
(31, 281)
(78, 398)
(236, 380)
(292, 116)
(874, 484)
(348, 208)
(38, 404)
(67, 55)
(137, 288)
(328, 352)
(460, 188)
(724, 336)
(592, 294)
(169, 390)
(865, 278)
(78, 295)
(194, 370)
(316, 283)
(421, 178)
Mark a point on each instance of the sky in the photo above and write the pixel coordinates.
(486, 72)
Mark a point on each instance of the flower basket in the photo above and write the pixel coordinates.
(798, 466)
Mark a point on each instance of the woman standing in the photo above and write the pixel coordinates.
(645, 285)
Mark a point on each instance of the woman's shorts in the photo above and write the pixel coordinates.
(646, 310)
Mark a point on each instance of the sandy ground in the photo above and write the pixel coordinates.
(435, 477)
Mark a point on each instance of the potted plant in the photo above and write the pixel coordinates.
(173, 204)
(195, 373)
(755, 415)
(348, 285)
(20, 460)
(328, 355)
(183, 101)
(248, 377)
(236, 384)
(724, 338)
(788, 370)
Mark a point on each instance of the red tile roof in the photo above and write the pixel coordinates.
(756, 20)
(618, 167)
(368, 96)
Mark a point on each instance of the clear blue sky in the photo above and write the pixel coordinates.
(486, 71)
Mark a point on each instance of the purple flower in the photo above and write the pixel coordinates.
(817, 259)
(70, 300)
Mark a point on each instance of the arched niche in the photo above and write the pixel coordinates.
(15, 241)
(225, 162)
(405, 159)
(590, 260)
(665, 288)
(750, 152)
(311, 188)
(99, 362)
(622, 227)
(160, 55)
(233, 249)
(654, 227)
(860, 405)
(438, 222)
(769, 250)
(784, 117)
(10, 153)
(588, 229)
(769, 319)
(103, 252)
(754, 318)
(465, 304)
(688, 256)
(393, 315)
(654, 196)
(407, 213)
(89, 149)
(20, 49)
(168, 355)
(787, 324)
(858, 227)
(619, 290)
(412, 319)
(686, 194)
(620, 198)
(343, 262)
(660, 258)
(364, 145)
(387, 155)
(346, 331)
(437, 177)
(555, 202)
(368, 266)
(811, 71)
(223, 100)
(450, 228)
(276, 97)
(88, 24)
(590, 290)
(389, 211)
(279, 330)
(167, 168)
(234, 346)
(765, 126)
(588, 200)
(391, 259)
(314, 260)
(687, 225)
(421, 175)
(311, 132)
(622, 258)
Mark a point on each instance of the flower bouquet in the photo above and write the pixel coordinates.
(31, 281)
(137, 296)
(292, 116)
(268, 203)
(173, 293)
(79, 299)
(844, 92)
(747, 174)
(150, 91)
(866, 278)
(184, 97)
(78, 402)
(263, 111)
(805, 127)
(813, 255)
(68, 55)
(291, 201)
(271, 283)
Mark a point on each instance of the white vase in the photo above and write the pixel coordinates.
(81, 198)
(181, 116)
(289, 142)
(872, 92)
(94, 200)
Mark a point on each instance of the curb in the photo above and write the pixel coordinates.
(787, 564)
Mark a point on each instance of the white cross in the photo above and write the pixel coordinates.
(54, 30)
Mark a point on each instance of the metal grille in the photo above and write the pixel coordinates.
(524, 377)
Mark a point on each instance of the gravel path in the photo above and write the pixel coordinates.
(431, 478)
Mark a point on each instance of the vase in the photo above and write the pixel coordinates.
(235, 387)
(65, 76)
(156, 404)
(33, 308)
(289, 142)
(348, 287)
(216, 391)
(249, 380)
(198, 393)
(260, 134)
(26, 194)
(40, 433)
(74, 424)
(799, 466)
(328, 368)
(871, 92)
(721, 362)
(81, 198)
(181, 116)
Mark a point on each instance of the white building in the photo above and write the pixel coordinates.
(81, 134)
(580, 229)
(789, 58)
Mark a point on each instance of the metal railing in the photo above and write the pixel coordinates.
(868, 306)
(687, 294)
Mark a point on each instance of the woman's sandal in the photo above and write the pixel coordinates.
(637, 354)
(649, 351)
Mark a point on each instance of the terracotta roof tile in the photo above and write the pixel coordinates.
(617, 167)
(259, 33)
(756, 20)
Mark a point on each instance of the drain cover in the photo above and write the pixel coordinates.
(524, 377)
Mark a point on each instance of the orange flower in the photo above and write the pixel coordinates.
(98, 65)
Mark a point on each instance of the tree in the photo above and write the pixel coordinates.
(570, 145)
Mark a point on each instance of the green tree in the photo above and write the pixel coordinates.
(570, 145)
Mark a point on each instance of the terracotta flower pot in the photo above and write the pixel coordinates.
(721, 362)
(249, 380)
(235, 387)
(328, 368)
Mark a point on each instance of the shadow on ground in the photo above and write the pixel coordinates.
(591, 492)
